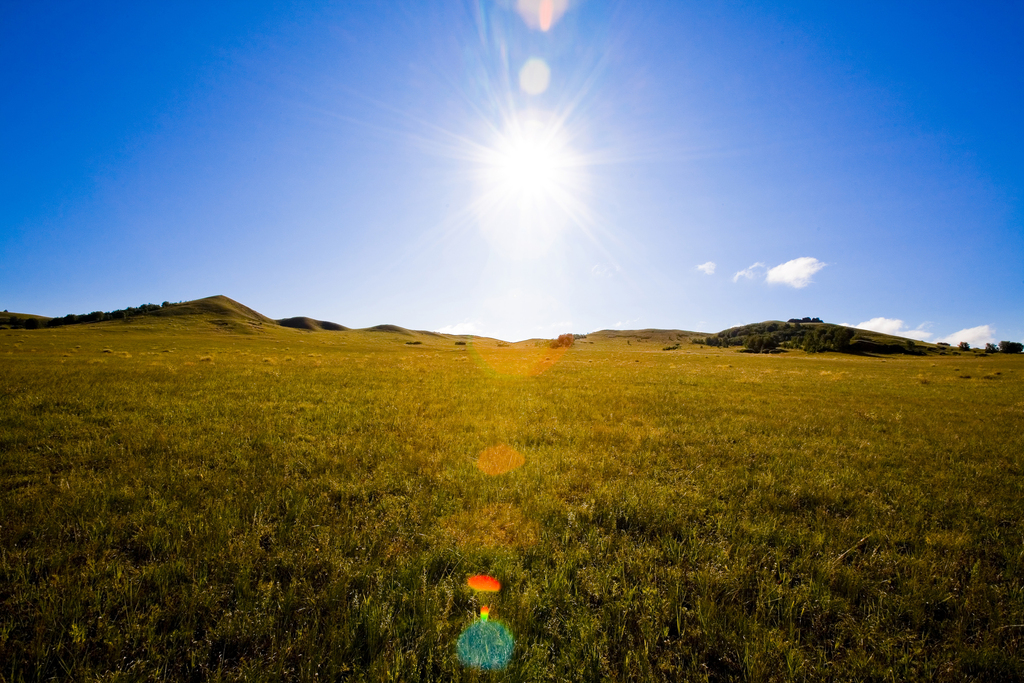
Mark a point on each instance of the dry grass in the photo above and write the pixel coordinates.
(696, 514)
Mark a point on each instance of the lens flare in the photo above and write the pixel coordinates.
(485, 612)
(545, 14)
(499, 460)
(484, 583)
(522, 359)
(534, 77)
(485, 645)
(541, 14)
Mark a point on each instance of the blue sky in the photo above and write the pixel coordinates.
(367, 162)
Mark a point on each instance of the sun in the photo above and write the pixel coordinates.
(529, 159)
(529, 185)
(529, 166)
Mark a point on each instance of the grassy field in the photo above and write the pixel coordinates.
(185, 498)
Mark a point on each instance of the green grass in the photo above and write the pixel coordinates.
(185, 499)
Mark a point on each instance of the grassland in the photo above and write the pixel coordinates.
(200, 498)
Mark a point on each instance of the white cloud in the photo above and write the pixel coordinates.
(748, 272)
(707, 268)
(975, 336)
(796, 273)
(461, 328)
(896, 327)
(602, 270)
(918, 333)
(883, 325)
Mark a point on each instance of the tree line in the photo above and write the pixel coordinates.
(100, 316)
(15, 321)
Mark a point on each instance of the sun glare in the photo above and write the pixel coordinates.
(530, 186)
(528, 165)
(528, 172)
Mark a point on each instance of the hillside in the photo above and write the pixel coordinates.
(219, 305)
(819, 336)
(9, 319)
(646, 335)
(23, 315)
(304, 323)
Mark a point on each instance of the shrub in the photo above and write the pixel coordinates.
(565, 340)
(33, 324)
(964, 346)
(707, 341)
(991, 348)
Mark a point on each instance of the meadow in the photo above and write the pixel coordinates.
(191, 498)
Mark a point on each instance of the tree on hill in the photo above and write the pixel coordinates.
(811, 338)
(99, 316)
(964, 346)
(828, 338)
(760, 343)
(842, 339)
(1010, 347)
(32, 324)
(814, 341)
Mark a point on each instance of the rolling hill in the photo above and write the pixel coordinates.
(304, 323)
(224, 312)
(219, 305)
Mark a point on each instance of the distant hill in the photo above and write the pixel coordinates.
(814, 335)
(304, 323)
(23, 316)
(219, 310)
(401, 330)
(219, 305)
(388, 328)
(22, 320)
(809, 334)
(652, 335)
